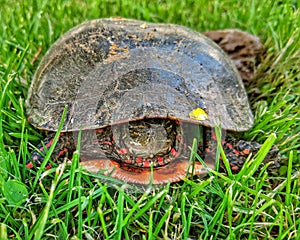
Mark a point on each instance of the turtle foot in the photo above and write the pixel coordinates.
(65, 145)
(237, 152)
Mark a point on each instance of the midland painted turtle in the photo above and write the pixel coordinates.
(141, 92)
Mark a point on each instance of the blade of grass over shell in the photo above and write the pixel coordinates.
(194, 156)
(49, 152)
(72, 179)
(253, 165)
(190, 171)
(220, 151)
(151, 174)
(75, 164)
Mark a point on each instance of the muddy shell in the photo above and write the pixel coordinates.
(110, 71)
(115, 71)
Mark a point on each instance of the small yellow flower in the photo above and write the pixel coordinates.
(198, 114)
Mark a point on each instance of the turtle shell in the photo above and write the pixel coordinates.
(116, 70)
(112, 72)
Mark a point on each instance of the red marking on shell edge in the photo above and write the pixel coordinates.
(146, 164)
(175, 171)
(105, 143)
(229, 145)
(127, 161)
(62, 152)
(160, 161)
(207, 150)
(246, 151)
(179, 139)
(138, 160)
(29, 165)
(48, 166)
(213, 135)
(123, 151)
(48, 144)
(234, 168)
(236, 152)
(174, 152)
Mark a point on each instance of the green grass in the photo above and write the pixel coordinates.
(68, 203)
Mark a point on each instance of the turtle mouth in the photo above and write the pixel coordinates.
(147, 143)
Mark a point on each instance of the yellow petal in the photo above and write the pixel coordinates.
(198, 114)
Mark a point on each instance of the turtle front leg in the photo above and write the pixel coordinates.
(237, 151)
(64, 146)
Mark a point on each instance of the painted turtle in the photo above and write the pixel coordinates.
(141, 92)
